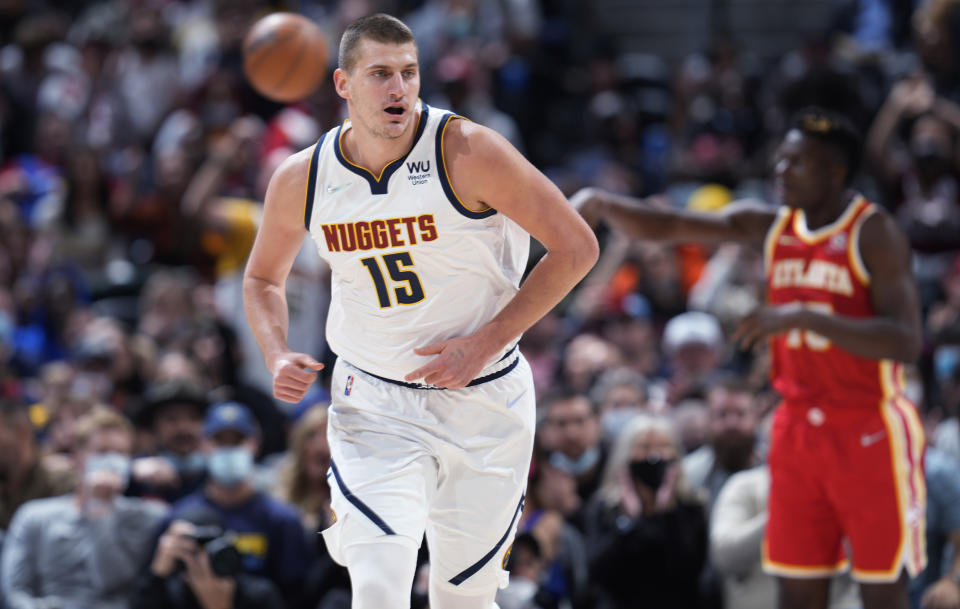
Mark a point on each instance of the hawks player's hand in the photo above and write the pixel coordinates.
(459, 361)
(293, 373)
(767, 321)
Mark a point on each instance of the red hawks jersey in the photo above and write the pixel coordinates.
(822, 269)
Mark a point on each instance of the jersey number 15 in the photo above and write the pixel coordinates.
(412, 293)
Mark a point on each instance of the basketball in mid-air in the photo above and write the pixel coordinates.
(285, 56)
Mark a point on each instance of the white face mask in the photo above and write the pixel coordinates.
(577, 466)
(117, 463)
(230, 466)
(518, 595)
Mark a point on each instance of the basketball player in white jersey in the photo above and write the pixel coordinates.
(424, 219)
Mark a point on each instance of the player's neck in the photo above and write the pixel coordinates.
(830, 208)
(374, 152)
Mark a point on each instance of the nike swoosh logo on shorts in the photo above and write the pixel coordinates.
(333, 189)
(516, 399)
(872, 438)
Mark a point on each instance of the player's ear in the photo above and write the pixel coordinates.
(340, 83)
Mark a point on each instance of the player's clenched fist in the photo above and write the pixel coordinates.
(293, 373)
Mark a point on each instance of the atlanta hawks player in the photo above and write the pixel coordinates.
(842, 313)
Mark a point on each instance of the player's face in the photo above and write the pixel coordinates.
(801, 171)
(382, 88)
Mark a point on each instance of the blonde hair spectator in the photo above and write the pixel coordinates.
(610, 490)
(302, 480)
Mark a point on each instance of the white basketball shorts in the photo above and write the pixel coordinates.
(451, 463)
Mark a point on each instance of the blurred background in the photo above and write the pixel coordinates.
(133, 161)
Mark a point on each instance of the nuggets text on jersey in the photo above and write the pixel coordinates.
(379, 234)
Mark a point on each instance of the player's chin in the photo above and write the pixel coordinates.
(395, 127)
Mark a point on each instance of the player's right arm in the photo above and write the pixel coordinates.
(264, 280)
(742, 221)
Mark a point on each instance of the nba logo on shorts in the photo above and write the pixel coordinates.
(349, 386)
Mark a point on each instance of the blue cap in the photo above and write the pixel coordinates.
(229, 415)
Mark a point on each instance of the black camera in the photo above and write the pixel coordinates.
(225, 559)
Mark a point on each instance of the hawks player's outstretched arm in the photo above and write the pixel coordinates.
(486, 171)
(743, 221)
(264, 280)
(893, 333)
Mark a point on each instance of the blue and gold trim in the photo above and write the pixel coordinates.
(357, 503)
(378, 184)
(477, 381)
(445, 177)
(312, 181)
(461, 577)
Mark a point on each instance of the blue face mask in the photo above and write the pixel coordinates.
(230, 466)
(117, 463)
(577, 466)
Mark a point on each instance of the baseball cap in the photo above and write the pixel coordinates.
(690, 328)
(174, 391)
(229, 415)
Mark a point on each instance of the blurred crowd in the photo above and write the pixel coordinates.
(143, 461)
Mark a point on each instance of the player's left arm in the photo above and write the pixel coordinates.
(487, 172)
(893, 333)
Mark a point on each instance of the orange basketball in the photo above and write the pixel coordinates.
(285, 56)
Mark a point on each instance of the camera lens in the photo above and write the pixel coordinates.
(225, 560)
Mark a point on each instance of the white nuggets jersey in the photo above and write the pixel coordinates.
(410, 265)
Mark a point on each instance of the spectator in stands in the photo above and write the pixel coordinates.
(551, 499)
(302, 475)
(646, 531)
(937, 42)
(693, 345)
(919, 177)
(24, 473)
(575, 440)
(270, 538)
(174, 411)
(526, 572)
(938, 586)
(166, 305)
(83, 549)
(736, 540)
(734, 421)
(620, 395)
(182, 576)
(301, 481)
(943, 321)
(584, 358)
(692, 419)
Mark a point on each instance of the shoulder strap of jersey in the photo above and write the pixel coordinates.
(312, 181)
(784, 214)
(445, 181)
(866, 210)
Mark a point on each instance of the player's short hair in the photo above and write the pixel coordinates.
(379, 28)
(833, 129)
